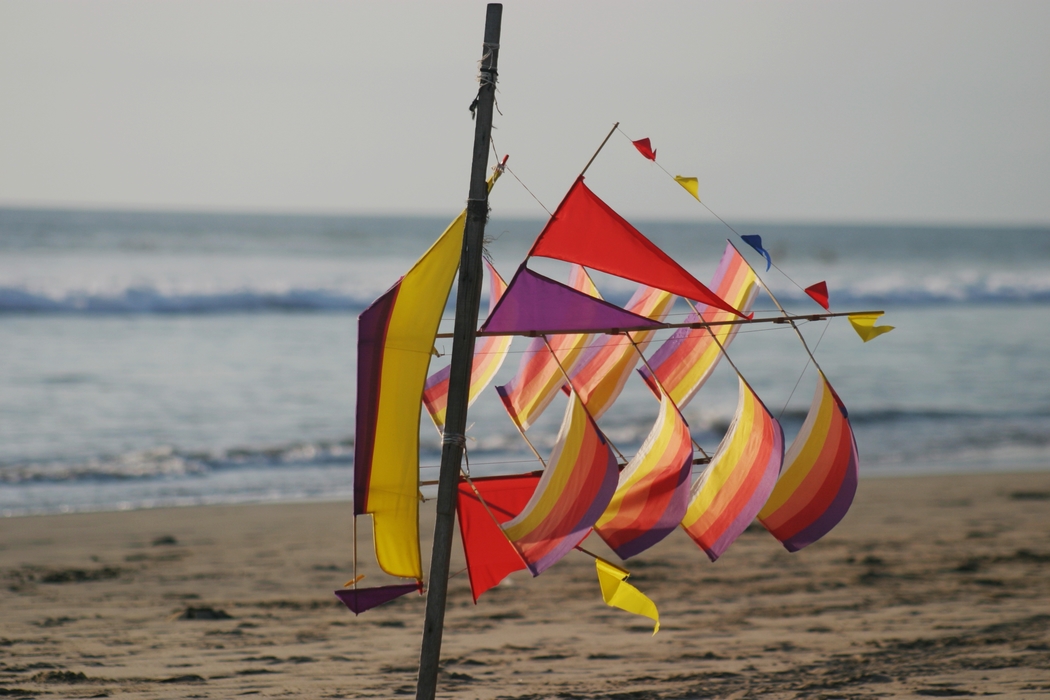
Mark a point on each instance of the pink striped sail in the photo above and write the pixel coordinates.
(489, 352)
(572, 493)
(539, 378)
(653, 489)
(686, 359)
(820, 477)
(734, 487)
(602, 370)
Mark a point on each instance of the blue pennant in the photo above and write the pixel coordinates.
(756, 243)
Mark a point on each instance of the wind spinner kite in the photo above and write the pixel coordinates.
(587, 347)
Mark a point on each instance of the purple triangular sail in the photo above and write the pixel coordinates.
(534, 303)
(361, 599)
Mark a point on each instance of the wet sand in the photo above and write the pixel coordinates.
(931, 587)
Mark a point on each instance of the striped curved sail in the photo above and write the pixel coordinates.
(653, 489)
(602, 370)
(686, 359)
(489, 352)
(572, 493)
(538, 378)
(734, 487)
(819, 480)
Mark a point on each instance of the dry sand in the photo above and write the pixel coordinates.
(932, 586)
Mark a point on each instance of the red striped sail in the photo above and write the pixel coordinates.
(819, 480)
(602, 370)
(538, 378)
(653, 489)
(572, 493)
(489, 352)
(686, 359)
(728, 495)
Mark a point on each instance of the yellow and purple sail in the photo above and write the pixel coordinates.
(539, 378)
(395, 337)
(571, 495)
(489, 352)
(734, 487)
(652, 492)
(685, 360)
(602, 370)
(819, 479)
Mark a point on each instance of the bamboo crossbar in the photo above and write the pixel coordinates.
(787, 318)
(434, 482)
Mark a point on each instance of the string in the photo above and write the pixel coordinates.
(530, 192)
(724, 222)
(799, 380)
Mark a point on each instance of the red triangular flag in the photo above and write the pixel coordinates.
(645, 148)
(819, 292)
(490, 555)
(585, 230)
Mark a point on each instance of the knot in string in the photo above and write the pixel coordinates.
(486, 75)
(457, 439)
(460, 441)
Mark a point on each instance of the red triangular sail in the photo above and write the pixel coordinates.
(585, 230)
(490, 555)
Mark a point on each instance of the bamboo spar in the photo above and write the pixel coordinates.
(785, 318)
(468, 300)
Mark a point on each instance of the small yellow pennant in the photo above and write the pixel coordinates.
(691, 185)
(865, 326)
(617, 593)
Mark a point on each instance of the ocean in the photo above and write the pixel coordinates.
(158, 359)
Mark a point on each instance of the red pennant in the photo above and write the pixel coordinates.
(819, 292)
(645, 148)
(490, 555)
(585, 230)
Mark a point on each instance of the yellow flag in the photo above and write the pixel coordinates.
(865, 326)
(617, 593)
(691, 185)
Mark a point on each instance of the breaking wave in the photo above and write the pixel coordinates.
(149, 300)
(167, 461)
(1033, 287)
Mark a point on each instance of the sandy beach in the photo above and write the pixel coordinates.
(932, 586)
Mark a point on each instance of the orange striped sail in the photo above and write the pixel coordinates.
(817, 486)
(489, 352)
(572, 493)
(653, 489)
(602, 370)
(686, 359)
(728, 495)
(539, 378)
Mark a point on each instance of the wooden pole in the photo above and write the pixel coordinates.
(468, 299)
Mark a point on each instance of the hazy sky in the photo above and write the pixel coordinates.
(814, 111)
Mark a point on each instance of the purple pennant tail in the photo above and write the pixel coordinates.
(361, 599)
(533, 303)
(756, 243)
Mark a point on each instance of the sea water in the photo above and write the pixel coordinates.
(155, 359)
